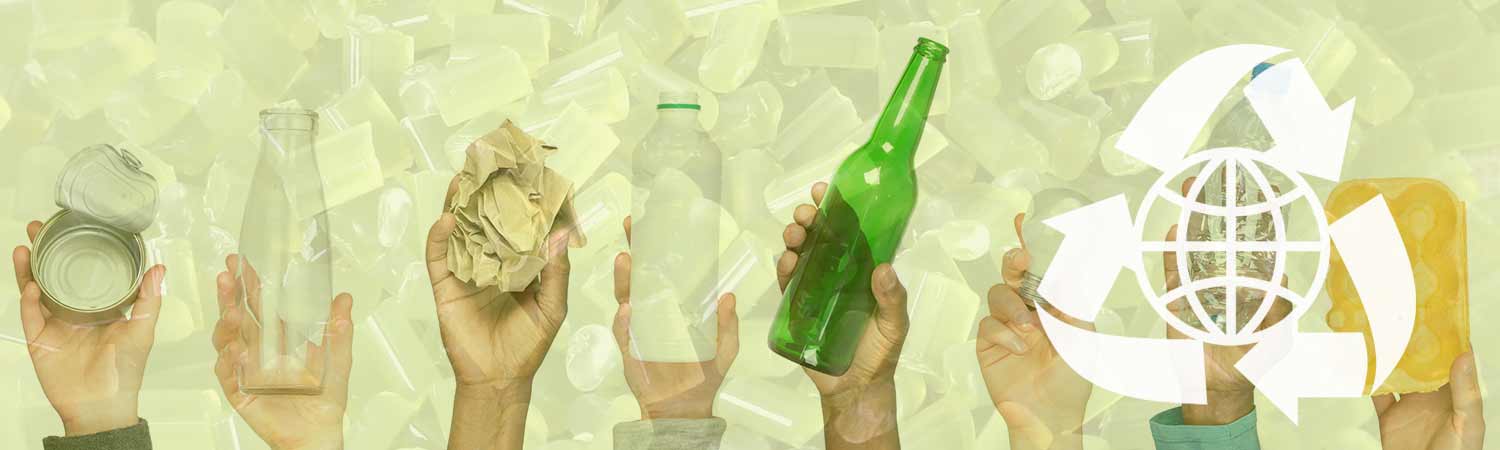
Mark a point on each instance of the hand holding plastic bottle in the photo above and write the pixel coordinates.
(859, 407)
(283, 421)
(673, 390)
(1230, 395)
(91, 374)
(494, 340)
(1040, 397)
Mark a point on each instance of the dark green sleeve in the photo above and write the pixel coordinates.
(137, 437)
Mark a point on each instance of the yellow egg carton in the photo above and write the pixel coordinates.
(1432, 225)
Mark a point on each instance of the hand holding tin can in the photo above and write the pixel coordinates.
(91, 373)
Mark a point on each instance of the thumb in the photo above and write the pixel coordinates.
(554, 294)
(339, 340)
(621, 329)
(729, 333)
(1468, 408)
(437, 246)
(890, 296)
(147, 306)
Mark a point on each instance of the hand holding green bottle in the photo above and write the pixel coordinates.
(859, 406)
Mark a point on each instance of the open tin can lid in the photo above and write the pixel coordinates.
(108, 185)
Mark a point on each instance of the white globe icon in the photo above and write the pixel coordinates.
(1227, 288)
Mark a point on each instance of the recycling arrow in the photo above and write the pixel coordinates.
(1098, 241)
(1309, 136)
(1171, 118)
(1287, 365)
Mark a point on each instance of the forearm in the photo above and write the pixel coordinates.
(97, 423)
(861, 419)
(489, 416)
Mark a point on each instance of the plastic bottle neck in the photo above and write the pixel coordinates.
(678, 117)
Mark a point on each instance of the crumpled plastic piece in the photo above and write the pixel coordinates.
(507, 203)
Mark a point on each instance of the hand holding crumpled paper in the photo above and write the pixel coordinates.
(506, 205)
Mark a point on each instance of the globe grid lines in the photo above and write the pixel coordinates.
(1212, 159)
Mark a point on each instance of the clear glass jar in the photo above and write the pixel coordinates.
(286, 262)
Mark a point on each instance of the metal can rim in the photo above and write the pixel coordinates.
(68, 312)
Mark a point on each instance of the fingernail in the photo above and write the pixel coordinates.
(1015, 344)
(558, 244)
(888, 278)
(155, 281)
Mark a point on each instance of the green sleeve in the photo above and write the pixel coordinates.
(136, 437)
(670, 434)
(1171, 433)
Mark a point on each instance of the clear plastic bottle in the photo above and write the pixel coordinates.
(286, 262)
(675, 237)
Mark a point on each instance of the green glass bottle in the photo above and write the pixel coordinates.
(828, 302)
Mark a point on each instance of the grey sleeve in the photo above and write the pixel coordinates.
(670, 434)
(136, 437)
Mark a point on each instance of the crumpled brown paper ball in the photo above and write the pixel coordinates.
(507, 203)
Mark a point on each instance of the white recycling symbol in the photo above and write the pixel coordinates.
(1285, 364)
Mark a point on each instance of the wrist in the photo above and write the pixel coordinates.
(1032, 429)
(97, 419)
(690, 409)
(507, 391)
(335, 442)
(864, 416)
(1223, 407)
(1070, 440)
(880, 393)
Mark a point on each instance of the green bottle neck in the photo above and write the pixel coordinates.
(905, 115)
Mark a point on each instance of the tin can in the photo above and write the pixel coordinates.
(90, 257)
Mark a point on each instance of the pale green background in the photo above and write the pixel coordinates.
(181, 109)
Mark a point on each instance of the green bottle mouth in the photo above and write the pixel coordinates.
(931, 49)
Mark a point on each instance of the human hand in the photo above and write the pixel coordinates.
(1451, 418)
(1040, 397)
(291, 420)
(859, 407)
(91, 374)
(495, 340)
(1230, 395)
(668, 390)
(284, 421)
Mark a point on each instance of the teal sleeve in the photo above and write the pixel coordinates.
(1171, 433)
(136, 437)
(670, 434)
